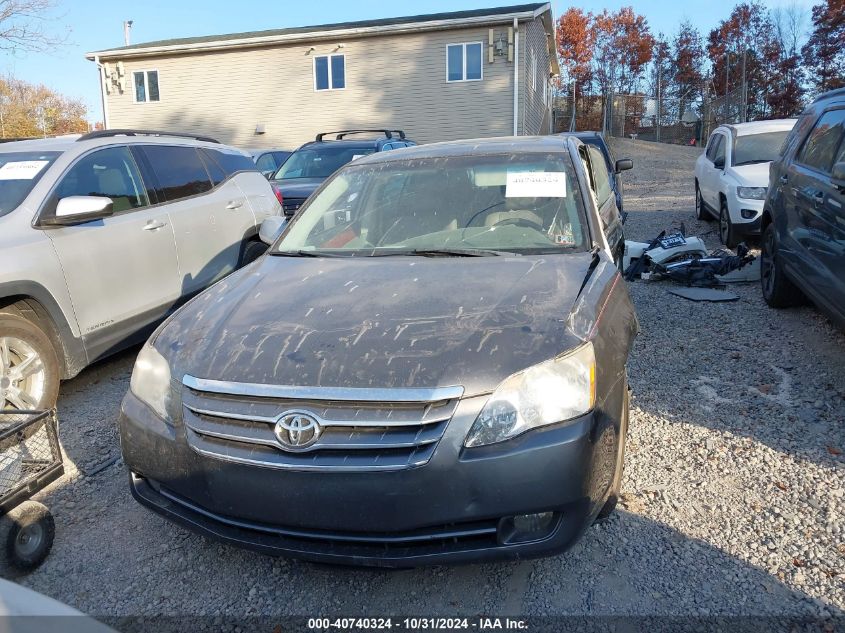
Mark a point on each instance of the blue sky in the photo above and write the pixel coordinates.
(98, 24)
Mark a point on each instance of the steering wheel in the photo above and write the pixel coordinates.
(524, 222)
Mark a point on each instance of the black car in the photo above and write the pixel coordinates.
(803, 222)
(615, 167)
(429, 365)
(311, 164)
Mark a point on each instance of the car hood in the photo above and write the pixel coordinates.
(754, 175)
(378, 322)
(296, 188)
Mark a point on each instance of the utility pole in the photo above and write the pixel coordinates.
(127, 26)
(572, 120)
(657, 131)
(744, 116)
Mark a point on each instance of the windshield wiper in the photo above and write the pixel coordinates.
(301, 253)
(452, 252)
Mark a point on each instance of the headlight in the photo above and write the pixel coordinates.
(151, 380)
(751, 193)
(551, 392)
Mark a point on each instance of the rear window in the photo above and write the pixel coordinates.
(179, 171)
(319, 161)
(230, 160)
(19, 173)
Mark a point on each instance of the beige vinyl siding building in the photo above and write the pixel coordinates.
(265, 89)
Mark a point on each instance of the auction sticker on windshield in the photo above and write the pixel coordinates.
(536, 184)
(22, 170)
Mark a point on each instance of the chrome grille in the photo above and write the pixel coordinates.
(362, 429)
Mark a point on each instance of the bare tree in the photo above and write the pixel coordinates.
(790, 24)
(25, 25)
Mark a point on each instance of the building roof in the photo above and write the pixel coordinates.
(431, 21)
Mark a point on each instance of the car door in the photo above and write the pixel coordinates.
(713, 169)
(210, 220)
(605, 200)
(815, 219)
(122, 271)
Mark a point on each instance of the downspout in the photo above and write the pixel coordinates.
(103, 92)
(515, 76)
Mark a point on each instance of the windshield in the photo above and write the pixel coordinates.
(319, 162)
(19, 171)
(758, 148)
(466, 205)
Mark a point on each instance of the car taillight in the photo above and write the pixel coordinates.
(278, 193)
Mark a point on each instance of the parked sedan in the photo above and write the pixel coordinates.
(732, 174)
(268, 161)
(803, 250)
(442, 379)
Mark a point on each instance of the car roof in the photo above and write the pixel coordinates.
(583, 135)
(473, 147)
(75, 142)
(357, 142)
(761, 127)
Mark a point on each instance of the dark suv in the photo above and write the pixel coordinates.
(311, 164)
(803, 225)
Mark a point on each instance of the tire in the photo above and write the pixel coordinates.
(26, 538)
(252, 251)
(778, 291)
(29, 368)
(727, 232)
(616, 487)
(700, 213)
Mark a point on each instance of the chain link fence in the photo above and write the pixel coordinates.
(641, 116)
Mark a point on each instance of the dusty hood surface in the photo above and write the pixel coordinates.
(378, 322)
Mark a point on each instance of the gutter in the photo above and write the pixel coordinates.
(310, 36)
(105, 102)
(515, 77)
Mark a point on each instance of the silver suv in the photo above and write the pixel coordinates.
(101, 236)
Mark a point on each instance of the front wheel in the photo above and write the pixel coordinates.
(727, 232)
(26, 537)
(29, 368)
(778, 291)
(700, 213)
(616, 487)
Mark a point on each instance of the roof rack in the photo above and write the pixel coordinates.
(341, 133)
(118, 132)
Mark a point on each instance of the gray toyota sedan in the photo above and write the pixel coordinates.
(427, 366)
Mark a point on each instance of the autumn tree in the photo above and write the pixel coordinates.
(824, 52)
(28, 110)
(744, 48)
(29, 25)
(688, 60)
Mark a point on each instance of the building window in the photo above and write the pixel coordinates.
(146, 85)
(330, 72)
(463, 62)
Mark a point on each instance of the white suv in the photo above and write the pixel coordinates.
(732, 176)
(101, 236)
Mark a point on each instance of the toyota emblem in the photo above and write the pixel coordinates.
(297, 430)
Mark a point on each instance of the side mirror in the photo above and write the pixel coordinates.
(80, 209)
(272, 228)
(837, 176)
(719, 163)
(624, 164)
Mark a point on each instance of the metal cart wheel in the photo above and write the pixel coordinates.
(26, 537)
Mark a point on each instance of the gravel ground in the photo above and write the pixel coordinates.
(733, 492)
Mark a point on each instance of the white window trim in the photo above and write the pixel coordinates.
(463, 46)
(146, 85)
(329, 56)
(533, 71)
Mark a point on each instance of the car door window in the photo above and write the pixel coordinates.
(109, 173)
(821, 145)
(600, 177)
(719, 154)
(266, 162)
(179, 171)
(711, 146)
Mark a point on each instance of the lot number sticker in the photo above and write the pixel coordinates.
(539, 184)
(22, 170)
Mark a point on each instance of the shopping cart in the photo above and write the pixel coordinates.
(30, 459)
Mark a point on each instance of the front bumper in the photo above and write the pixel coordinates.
(746, 215)
(456, 508)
